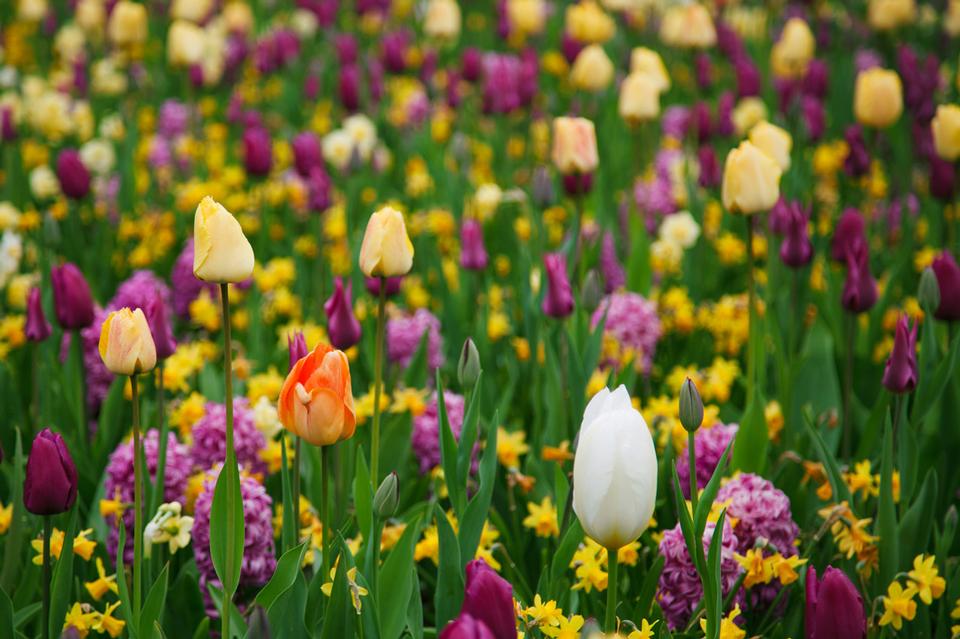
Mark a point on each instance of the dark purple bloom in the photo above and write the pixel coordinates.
(349, 87)
(850, 228)
(257, 151)
(814, 116)
(942, 178)
(575, 184)
(704, 71)
(73, 175)
(342, 325)
(159, 322)
(71, 297)
(701, 119)
(472, 64)
(796, 250)
(710, 171)
(900, 373)
(307, 153)
(466, 627)
(860, 289)
(8, 130)
(346, 46)
(948, 280)
(817, 80)
(613, 274)
(473, 254)
(488, 597)
(50, 483)
(834, 608)
(748, 77)
(558, 299)
(857, 162)
(395, 51)
(724, 122)
(297, 347)
(37, 328)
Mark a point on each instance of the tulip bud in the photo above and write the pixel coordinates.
(468, 368)
(71, 297)
(834, 608)
(50, 483)
(466, 627)
(928, 293)
(592, 292)
(900, 373)
(558, 300)
(751, 180)
(574, 145)
(297, 347)
(73, 174)
(392, 285)
(221, 252)
(691, 406)
(128, 23)
(948, 283)
(946, 131)
(160, 329)
(342, 325)
(859, 289)
(307, 153)
(37, 328)
(258, 626)
(257, 151)
(387, 497)
(877, 97)
(488, 598)
(386, 250)
(473, 254)
(796, 250)
(126, 345)
(850, 229)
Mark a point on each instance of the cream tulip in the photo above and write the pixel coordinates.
(442, 20)
(221, 252)
(946, 131)
(386, 250)
(751, 180)
(126, 344)
(614, 471)
(574, 145)
(878, 97)
(773, 141)
(649, 62)
(186, 43)
(592, 70)
(639, 98)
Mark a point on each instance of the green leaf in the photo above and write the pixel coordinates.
(927, 394)
(153, 606)
(887, 514)
(639, 274)
(203, 629)
(705, 502)
(61, 584)
(283, 577)
(126, 605)
(449, 593)
(448, 454)
(291, 512)
(15, 537)
(340, 619)
(226, 526)
(569, 542)
(874, 427)
(715, 598)
(395, 600)
(363, 493)
(286, 614)
(694, 545)
(415, 608)
(648, 588)
(840, 490)
(7, 625)
(471, 526)
(917, 523)
(238, 627)
(111, 423)
(469, 432)
(752, 438)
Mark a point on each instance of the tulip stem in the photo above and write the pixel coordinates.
(851, 322)
(47, 532)
(296, 479)
(377, 382)
(692, 457)
(613, 560)
(137, 497)
(231, 457)
(751, 309)
(324, 510)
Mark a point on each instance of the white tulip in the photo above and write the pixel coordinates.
(615, 470)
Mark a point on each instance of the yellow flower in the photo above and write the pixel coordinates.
(356, 590)
(751, 180)
(386, 250)
(410, 400)
(544, 613)
(126, 344)
(266, 384)
(222, 252)
(759, 569)
(566, 628)
(785, 568)
(106, 622)
(861, 480)
(82, 618)
(100, 586)
(6, 516)
(644, 632)
(728, 627)
(542, 518)
(928, 583)
(82, 547)
(510, 447)
(898, 604)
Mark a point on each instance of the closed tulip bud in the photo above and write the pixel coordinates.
(258, 625)
(468, 367)
(159, 322)
(186, 43)
(221, 252)
(126, 345)
(316, 401)
(592, 70)
(592, 291)
(614, 471)
(946, 131)
(257, 151)
(900, 373)
(342, 325)
(948, 284)
(307, 153)
(488, 598)
(587, 23)
(527, 16)
(37, 327)
(877, 97)
(688, 26)
(442, 20)
(850, 229)
(857, 162)
(791, 55)
(574, 145)
(796, 250)
(71, 297)
(834, 608)
(466, 627)
(473, 254)
(928, 293)
(386, 250)
(387, 497)
(542, 190)
(859, 289)
(751, 180)
(639, 98)
(773, 141)
(296, 347)
(886, 15)
(558, 299)
(349, 87)
(128, 23)
(50, 482)
(691, 406)
(648, 62)
(73, 174)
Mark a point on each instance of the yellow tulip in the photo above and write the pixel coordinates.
(386, 250)
(126, 344)
(946, 131)
(185, 44)
(221, 252)
(649, 62)
(442, 20)
(574, 145)
(751, 180)
(592, 70)
(886, 15)
(878, 97)
(639, 97)
(128, 23)
(773, 141)
(586, 22)
(792, 53)
(527, 16)
(688, 26)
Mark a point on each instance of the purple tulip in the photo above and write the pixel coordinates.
(748, 77)
(571, 47)
(796, 250)
(860, 289)
(710, 172)
(577, 183)
(395, 52)
(37, 328)
(8, 130)
(942, 178)
(50, 484)
(900, 373)
(558, 300)
(466, 627)
(488, 598)
(342, 325)
(473, 255)
(779, 216)
(346, 46)
(725, 105)
(307, 152)
(297, 346)
(349, 87)
(71, 297)
(834, 608)
(160, 329)
(73, 175)
(948, 280)
(472, 64)
(814, 116)
(857, 162)
(311, 86)
(817, 80)
(393, 285)
(318, 189)
(704, 71)
(257, 151)
(850, 228)
(701, 119)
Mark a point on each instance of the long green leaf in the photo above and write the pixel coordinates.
(840, 489)
(448, 454)
(291, 512)
(7, 625)
(395, 600)
(887, 514)
(340, 618)
(705, 502)
(752, 439)
(449, 593)
(283, 577)
(469, 432)
(153, 606)
(227, 491)
(126, 605)
(917, 523)
(714, 598)
(363, 493)
(61, 584)
(471, 527)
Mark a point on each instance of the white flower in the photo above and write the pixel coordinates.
(98, 155)
(614, 471)
(337, 148)
(266, 418)
(44, 183)
(363, 132)
(680, 228)
(11, 250)
(487, 199)
(168, 527)
(9, 216)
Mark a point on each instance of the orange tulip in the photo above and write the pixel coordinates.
(316, 401)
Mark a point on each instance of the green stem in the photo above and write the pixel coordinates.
(751, 301)
(377, 383)
(231, 457)
(47, 532)
(324, 511)
(137, 498)
(851, 322)
(610, 624)
(296, 481)
(692, 457)
(77, 343)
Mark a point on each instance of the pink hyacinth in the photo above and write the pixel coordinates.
(632, 320)
(209, 437)
(425, 438)
(404, 334)
(710, 444)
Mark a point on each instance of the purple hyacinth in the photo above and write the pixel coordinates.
(173, 119)
(120, 479)
(209, 437)
(679, 590)
(710, 444)
(632, 320)
(97, 377)
(405, 332)
(425, 437)
(613, 274)
(259, 562)
(139, 290)
(186, 287)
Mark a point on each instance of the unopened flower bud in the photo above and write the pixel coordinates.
(691, 406)
(468, 368)
(929, 291)
(592, 291)
(387, 498)
(258, 625)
